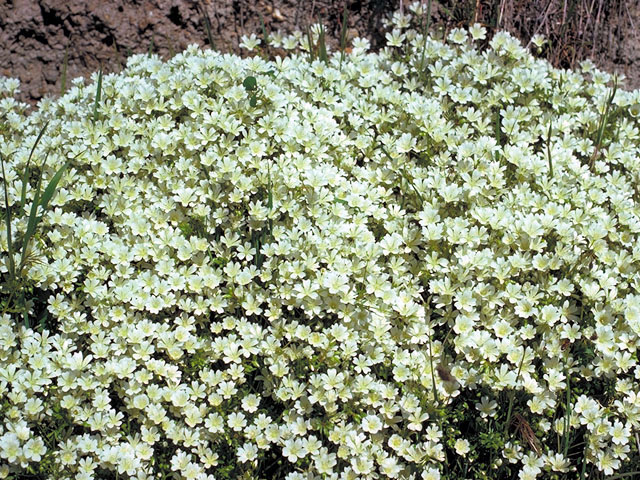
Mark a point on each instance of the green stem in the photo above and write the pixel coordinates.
(512, 395)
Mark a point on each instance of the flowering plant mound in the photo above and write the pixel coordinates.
(418, 263)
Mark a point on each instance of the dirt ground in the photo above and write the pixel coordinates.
(37, 35)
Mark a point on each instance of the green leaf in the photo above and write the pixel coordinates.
(250, 83)
(53, 184)
(43, 202)
(253, 101)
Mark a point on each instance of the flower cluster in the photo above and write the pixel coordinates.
(358, 274)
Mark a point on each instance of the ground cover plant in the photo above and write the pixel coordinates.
(420, 263)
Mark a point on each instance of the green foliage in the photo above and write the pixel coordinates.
(251, 86)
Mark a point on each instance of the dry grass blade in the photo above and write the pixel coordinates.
(526, 433)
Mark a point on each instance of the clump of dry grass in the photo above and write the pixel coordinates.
(574, 29)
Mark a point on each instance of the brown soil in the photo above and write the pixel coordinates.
(36, 35)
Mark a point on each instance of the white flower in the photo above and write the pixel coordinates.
(538, 40)
(487, 407)
(247, 453)
(249, 42)
(293, 450)
(372, 424)
(462, 446)
(477, 31)
(10, 447)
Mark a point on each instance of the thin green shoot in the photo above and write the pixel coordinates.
(150, 50)
(98, 96)
(207, 24)
(63, 79)
(311, 56)
(436, 400)
(567, 415)
(265, 37)
(270, 199)
(604, 119)
(497, 128)
(343, 35)
(549, 150)
(7, 219)
(567, 419)
(425, 31)
(322, 47)
(25, 176)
